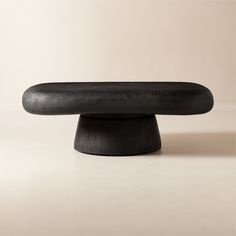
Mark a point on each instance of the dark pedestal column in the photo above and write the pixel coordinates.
(117, 135)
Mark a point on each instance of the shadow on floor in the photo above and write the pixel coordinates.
(198, 144)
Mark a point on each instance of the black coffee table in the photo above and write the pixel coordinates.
(118, 118)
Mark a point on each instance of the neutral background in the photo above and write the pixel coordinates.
(96, 40)
(49, 189)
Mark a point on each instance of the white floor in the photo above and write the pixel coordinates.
(47, 188)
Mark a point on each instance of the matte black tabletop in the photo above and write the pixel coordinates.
(170, 98)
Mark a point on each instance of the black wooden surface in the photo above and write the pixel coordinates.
(119, 136)
(118, 118)
(170, 98)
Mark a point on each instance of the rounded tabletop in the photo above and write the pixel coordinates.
(170, 98)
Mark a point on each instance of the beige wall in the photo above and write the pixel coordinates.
(75, 40)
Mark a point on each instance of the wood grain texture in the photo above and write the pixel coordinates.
(117, 136)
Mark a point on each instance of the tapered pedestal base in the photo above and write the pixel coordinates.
(117, 135)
